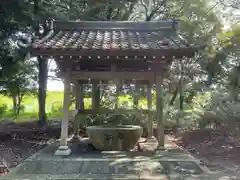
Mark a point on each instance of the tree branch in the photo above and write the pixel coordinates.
(54, 78)
(145, 7)
(155, 10)
(56, 4)
(154, 3)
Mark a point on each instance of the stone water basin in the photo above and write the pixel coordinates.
(114, 137)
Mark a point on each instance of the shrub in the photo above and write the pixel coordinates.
(209, 118)
(22, 108)
(3, 109)
(133, 118)
(56, 107)
(223, 111)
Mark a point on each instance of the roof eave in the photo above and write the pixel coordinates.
(177, 52)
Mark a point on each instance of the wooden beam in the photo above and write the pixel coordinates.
(109, 59)
(123, 82)
(112, 75)
(164, 51)
(94, 97)
(149, 105)
(79, 105)
(64, 149)
(117, 25)
(159, 109)
(119, 111)
(116, 81)
(136, 94)
(66, 104)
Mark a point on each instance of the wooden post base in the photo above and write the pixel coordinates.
(161, 148)
(151, 139)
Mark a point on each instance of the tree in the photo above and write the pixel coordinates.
(25, 17)
(149, 10)
(229, 10)
(229, 42)
(14, 75)
(42, 11)
(19, 83)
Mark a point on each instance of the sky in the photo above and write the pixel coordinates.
(54, 85)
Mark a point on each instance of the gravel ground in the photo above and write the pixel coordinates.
(20, 141)
(218, 149)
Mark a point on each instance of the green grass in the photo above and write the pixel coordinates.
(54, 103)
(30, 102)
(53, 106)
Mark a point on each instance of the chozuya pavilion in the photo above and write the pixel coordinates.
(120, 51)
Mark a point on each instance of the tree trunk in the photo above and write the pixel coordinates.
(43, 73)
(14, 100)
(181, 101)
(235, 83)
(234, 94)
(18, 108)
(173, 97)
(19, 101)
(181, 88)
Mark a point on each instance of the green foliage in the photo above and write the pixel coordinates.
(125, 118)
(222, 104)
(22, 82)
(209, 119)
(3, 109)
(56, 107)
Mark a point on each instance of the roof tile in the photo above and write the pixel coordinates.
(111, 36)
(104, 40)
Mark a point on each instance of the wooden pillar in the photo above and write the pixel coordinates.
(136, 94)
(149, 106)
(63, 148)
(181, 94)
(117, 82)
(159, 109)
(79, 105)
(94, 100)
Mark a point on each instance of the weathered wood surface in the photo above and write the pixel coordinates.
(112, 75)
(115, 111)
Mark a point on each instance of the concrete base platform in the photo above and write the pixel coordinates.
(171, 163)
(63, 151)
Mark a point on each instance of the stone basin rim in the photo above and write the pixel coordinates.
(114, 127)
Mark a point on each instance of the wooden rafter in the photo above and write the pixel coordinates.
(178, 52)
(112, 75)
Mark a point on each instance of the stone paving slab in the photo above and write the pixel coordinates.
(123, 177)
(161, 165)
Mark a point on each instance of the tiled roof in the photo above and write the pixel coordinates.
(97, 39)
(111, 36)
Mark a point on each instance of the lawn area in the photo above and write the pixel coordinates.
(54, 103)
(53, 106)
(30, 103)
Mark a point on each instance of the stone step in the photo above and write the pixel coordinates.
(143, 176)
(87, 177)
